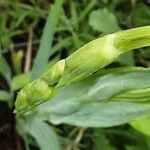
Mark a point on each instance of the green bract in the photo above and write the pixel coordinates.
(86, 60)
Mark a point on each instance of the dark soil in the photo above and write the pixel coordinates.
(9, 140)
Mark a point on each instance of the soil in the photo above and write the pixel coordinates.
(9, 140)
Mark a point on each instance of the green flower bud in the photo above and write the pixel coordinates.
(53, 75)
(32, 95)
(22, 103)
(89, 58)
(86, 60)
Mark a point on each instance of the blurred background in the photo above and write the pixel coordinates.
(34, 34)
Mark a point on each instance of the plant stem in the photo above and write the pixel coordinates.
(29, 50)
(132, 39)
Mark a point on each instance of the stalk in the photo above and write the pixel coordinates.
(86, 60)
(132, 39)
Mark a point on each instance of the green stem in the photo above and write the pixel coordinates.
(132, 39)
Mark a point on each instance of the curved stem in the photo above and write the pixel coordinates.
(132, 39)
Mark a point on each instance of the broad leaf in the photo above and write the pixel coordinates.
(104, 21)
(102, 100)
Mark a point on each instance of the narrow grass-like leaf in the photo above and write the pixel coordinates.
(46, 41)
(4, 68)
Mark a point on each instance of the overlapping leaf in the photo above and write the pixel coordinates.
(102, 100)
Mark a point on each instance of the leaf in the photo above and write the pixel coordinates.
(134, 147)
(100, 142)
(138, 141)
(4, 68)
(46, 40)
(102, 114)
(5, 96)
(19, 81)
(95, 102)
(44, 135)
(114, 84)
(141, 16)
(142, 125)
(127, 59)
(103, 21)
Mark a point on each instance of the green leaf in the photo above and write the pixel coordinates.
(102, 100)
(139, 142)
(46, 40)
(127, 59)
(134, 147)
(115, 83)
(142, 125)
(4, 68)
(5, 96)
(44, 135)
(102, 114)
(141, 15)
(103, 21)
(100, 142)
(19, 81)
